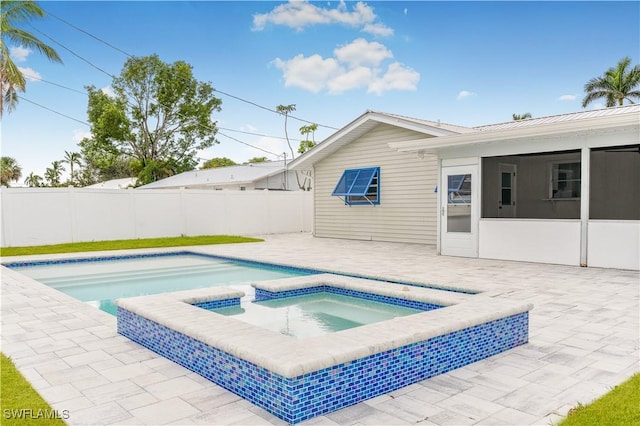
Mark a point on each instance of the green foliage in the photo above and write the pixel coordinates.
(615, 85)
(18, 394)
(160, 116)
(257, 160)
(33, 180)
(53, 174)
(14, 15)
(218, 162)
(10, 170)
(307, 144)
(518, 117)
(127, 244)
(619, 407)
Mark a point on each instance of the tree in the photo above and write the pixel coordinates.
(518, 117)
(10, 170)
(286, 110)
(218, 162)
(33, 180)
(307, 144)
(53, 173)
(72, 158)
(257, 160)
(615, 85)
(12, 79)
(159, 117)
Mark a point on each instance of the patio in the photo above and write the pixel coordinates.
(584, 339)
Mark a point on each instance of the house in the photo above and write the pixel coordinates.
(268, 175)
(403, 208)
(561, 189)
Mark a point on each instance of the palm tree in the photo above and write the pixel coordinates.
(615, 85)
(72, 158)
(10, 170)
(33, 180)
(518, 117)
(12, 80)
(52, 174)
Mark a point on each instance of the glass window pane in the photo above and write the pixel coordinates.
(506, 180)
(459, 204)
(506, 197)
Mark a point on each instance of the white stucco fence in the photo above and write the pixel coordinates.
(35, 216)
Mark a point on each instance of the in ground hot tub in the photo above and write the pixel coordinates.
(297, 378)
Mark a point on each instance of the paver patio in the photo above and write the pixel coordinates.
(584, 339)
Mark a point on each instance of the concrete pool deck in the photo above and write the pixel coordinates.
(584, 339)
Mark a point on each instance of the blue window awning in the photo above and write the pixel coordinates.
(355, 182)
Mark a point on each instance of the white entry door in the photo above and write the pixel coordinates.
(507, 194)
(459, 216)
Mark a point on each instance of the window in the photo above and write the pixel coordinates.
(565, 180)
(359, 186)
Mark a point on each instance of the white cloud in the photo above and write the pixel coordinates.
(349, 80)
(300, 14)
(567, 98)
(596, 105)
(397, 77)
(108, 90)
(19, 53)
(361, 52)
(309, 73)
(378, 30)
(358, 64)
(30, 74)
(465, 94)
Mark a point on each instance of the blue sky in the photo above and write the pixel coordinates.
(464, 63)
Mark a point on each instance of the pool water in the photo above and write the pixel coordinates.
(314, 314)
(99, 283)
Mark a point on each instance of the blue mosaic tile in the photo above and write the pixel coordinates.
(323, 391)
(216, 304)
(261, 295)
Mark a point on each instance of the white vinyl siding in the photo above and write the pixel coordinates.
(407, 209)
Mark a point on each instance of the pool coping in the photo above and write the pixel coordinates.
(284, 355)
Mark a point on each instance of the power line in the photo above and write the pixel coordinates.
(217, 90)
(112, 76)
(54, 111)
(245, 143)
(218, 127)
(58, 85)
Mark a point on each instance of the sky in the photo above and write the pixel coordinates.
(463, 63)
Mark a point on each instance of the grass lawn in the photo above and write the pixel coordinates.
(621, 406)
(126, 244)
(20, 404)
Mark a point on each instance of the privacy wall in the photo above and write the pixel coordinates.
(35, 216)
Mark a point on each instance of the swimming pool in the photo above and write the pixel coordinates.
(99, 281)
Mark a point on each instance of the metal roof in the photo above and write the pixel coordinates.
(245, 173)
(580, 115)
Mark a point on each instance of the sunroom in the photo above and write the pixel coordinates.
(562, 189)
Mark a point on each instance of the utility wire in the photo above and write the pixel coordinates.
(58, 85)
(218, 127)
(109, 74)
(217, 90)
(54, 111)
